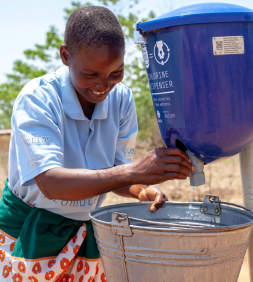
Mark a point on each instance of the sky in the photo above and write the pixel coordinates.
(24, 23)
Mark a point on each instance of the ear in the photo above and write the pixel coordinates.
(64, 55)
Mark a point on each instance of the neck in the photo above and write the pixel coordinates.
(87, 107)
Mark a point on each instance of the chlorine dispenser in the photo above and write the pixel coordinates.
(199, 62)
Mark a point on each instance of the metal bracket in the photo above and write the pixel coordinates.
(120, 225)
(139, 38)
(211, 205)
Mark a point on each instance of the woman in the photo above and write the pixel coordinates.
(73, 138)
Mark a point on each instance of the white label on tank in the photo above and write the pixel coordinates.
(145, 55)
(228, 45)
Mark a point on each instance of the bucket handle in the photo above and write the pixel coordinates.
(211, 205)
(170, 224)
(121, 224)
(231, 204)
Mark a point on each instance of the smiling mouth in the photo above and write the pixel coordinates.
(98, 93)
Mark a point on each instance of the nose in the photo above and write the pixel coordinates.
(103, 85)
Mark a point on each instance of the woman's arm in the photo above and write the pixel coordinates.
(155, 167)
(144, 193)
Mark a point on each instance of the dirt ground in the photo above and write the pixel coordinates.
(222, 179)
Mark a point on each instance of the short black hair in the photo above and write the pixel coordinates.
(93, 26)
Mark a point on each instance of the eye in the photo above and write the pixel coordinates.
(115, 73)
(88, 75)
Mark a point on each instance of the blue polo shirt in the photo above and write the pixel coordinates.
(50, 130)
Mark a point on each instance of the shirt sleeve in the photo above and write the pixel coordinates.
(36, 126)
(128, 129)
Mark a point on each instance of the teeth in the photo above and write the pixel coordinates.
(98, 93)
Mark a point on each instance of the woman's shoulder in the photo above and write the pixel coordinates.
(121, 94)
(122, 89)
(46, 84)
(45, 89)
(121, 101)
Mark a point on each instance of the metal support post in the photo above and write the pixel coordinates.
(246, 164)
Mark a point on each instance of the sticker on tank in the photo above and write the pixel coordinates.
(228, 45)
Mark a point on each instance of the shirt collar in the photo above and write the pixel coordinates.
(70, 102)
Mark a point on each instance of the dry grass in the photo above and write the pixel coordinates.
(222, 179)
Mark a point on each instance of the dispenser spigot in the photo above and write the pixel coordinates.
(197, 177)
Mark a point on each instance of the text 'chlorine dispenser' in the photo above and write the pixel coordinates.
(199, 62)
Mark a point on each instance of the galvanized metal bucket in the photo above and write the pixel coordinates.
(180, 242)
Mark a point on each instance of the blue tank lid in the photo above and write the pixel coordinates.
(200, 13)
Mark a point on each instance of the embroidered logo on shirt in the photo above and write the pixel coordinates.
(29, 139)
(130, 147)
(37, 158)
(34, 160)
(83, 203)
(130, 153)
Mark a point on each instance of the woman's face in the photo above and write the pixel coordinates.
(94, 71)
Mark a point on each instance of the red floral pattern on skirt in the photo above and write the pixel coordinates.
(66, 267)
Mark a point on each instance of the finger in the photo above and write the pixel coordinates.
(178, 169)
(172, 176)
(155, 194)
(178, 160)
(143, 196)
(150, 192)
(160, 199)
(174, 152)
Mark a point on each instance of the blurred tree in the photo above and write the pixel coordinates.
(48, 56)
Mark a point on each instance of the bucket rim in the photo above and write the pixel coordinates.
(93, 213)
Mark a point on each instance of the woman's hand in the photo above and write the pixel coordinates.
(144, 193)
(162, 164)
(155, 194)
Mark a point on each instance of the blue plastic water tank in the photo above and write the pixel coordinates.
(199, 62)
